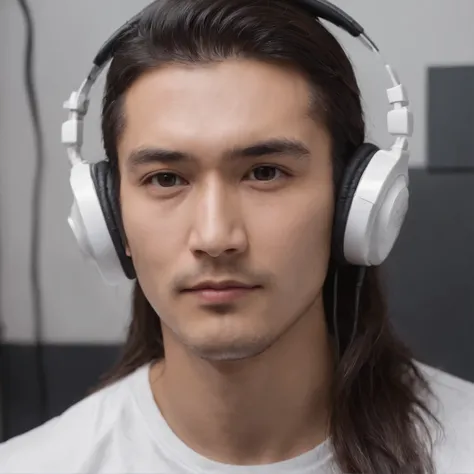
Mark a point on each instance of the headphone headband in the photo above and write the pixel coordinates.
(317, 8)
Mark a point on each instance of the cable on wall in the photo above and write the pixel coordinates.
(36, 210)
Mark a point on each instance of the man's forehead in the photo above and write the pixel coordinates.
(232, 86)
(193, 110)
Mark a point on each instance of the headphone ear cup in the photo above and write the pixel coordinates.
(346, 191)
(106, 187)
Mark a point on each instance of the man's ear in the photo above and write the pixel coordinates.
(127, 251)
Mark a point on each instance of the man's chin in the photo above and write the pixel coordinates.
(229, 352)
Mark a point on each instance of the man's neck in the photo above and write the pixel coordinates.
(262, 410)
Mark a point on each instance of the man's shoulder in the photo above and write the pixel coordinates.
(455, 396)
(66, 442)
(454, 407)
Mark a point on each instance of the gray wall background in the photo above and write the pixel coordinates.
(430, 276)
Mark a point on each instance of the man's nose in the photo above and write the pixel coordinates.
(218, 225)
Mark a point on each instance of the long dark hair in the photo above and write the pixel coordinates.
(380, 419)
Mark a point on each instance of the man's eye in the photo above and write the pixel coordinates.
(165, 180)
(266, 173)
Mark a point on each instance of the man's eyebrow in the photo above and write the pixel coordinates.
(272, 147)
(276, 146)
(150, 155)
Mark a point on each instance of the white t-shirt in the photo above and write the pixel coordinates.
(121, 430)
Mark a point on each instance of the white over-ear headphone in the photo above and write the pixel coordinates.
(372, 199)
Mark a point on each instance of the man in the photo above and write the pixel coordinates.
(228, 126)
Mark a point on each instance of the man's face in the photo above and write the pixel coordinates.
(226, 177)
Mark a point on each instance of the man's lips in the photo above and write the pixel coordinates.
(220, 292)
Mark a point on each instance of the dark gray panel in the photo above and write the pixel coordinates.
(430, 274)
(71, 371)
(451, 117)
